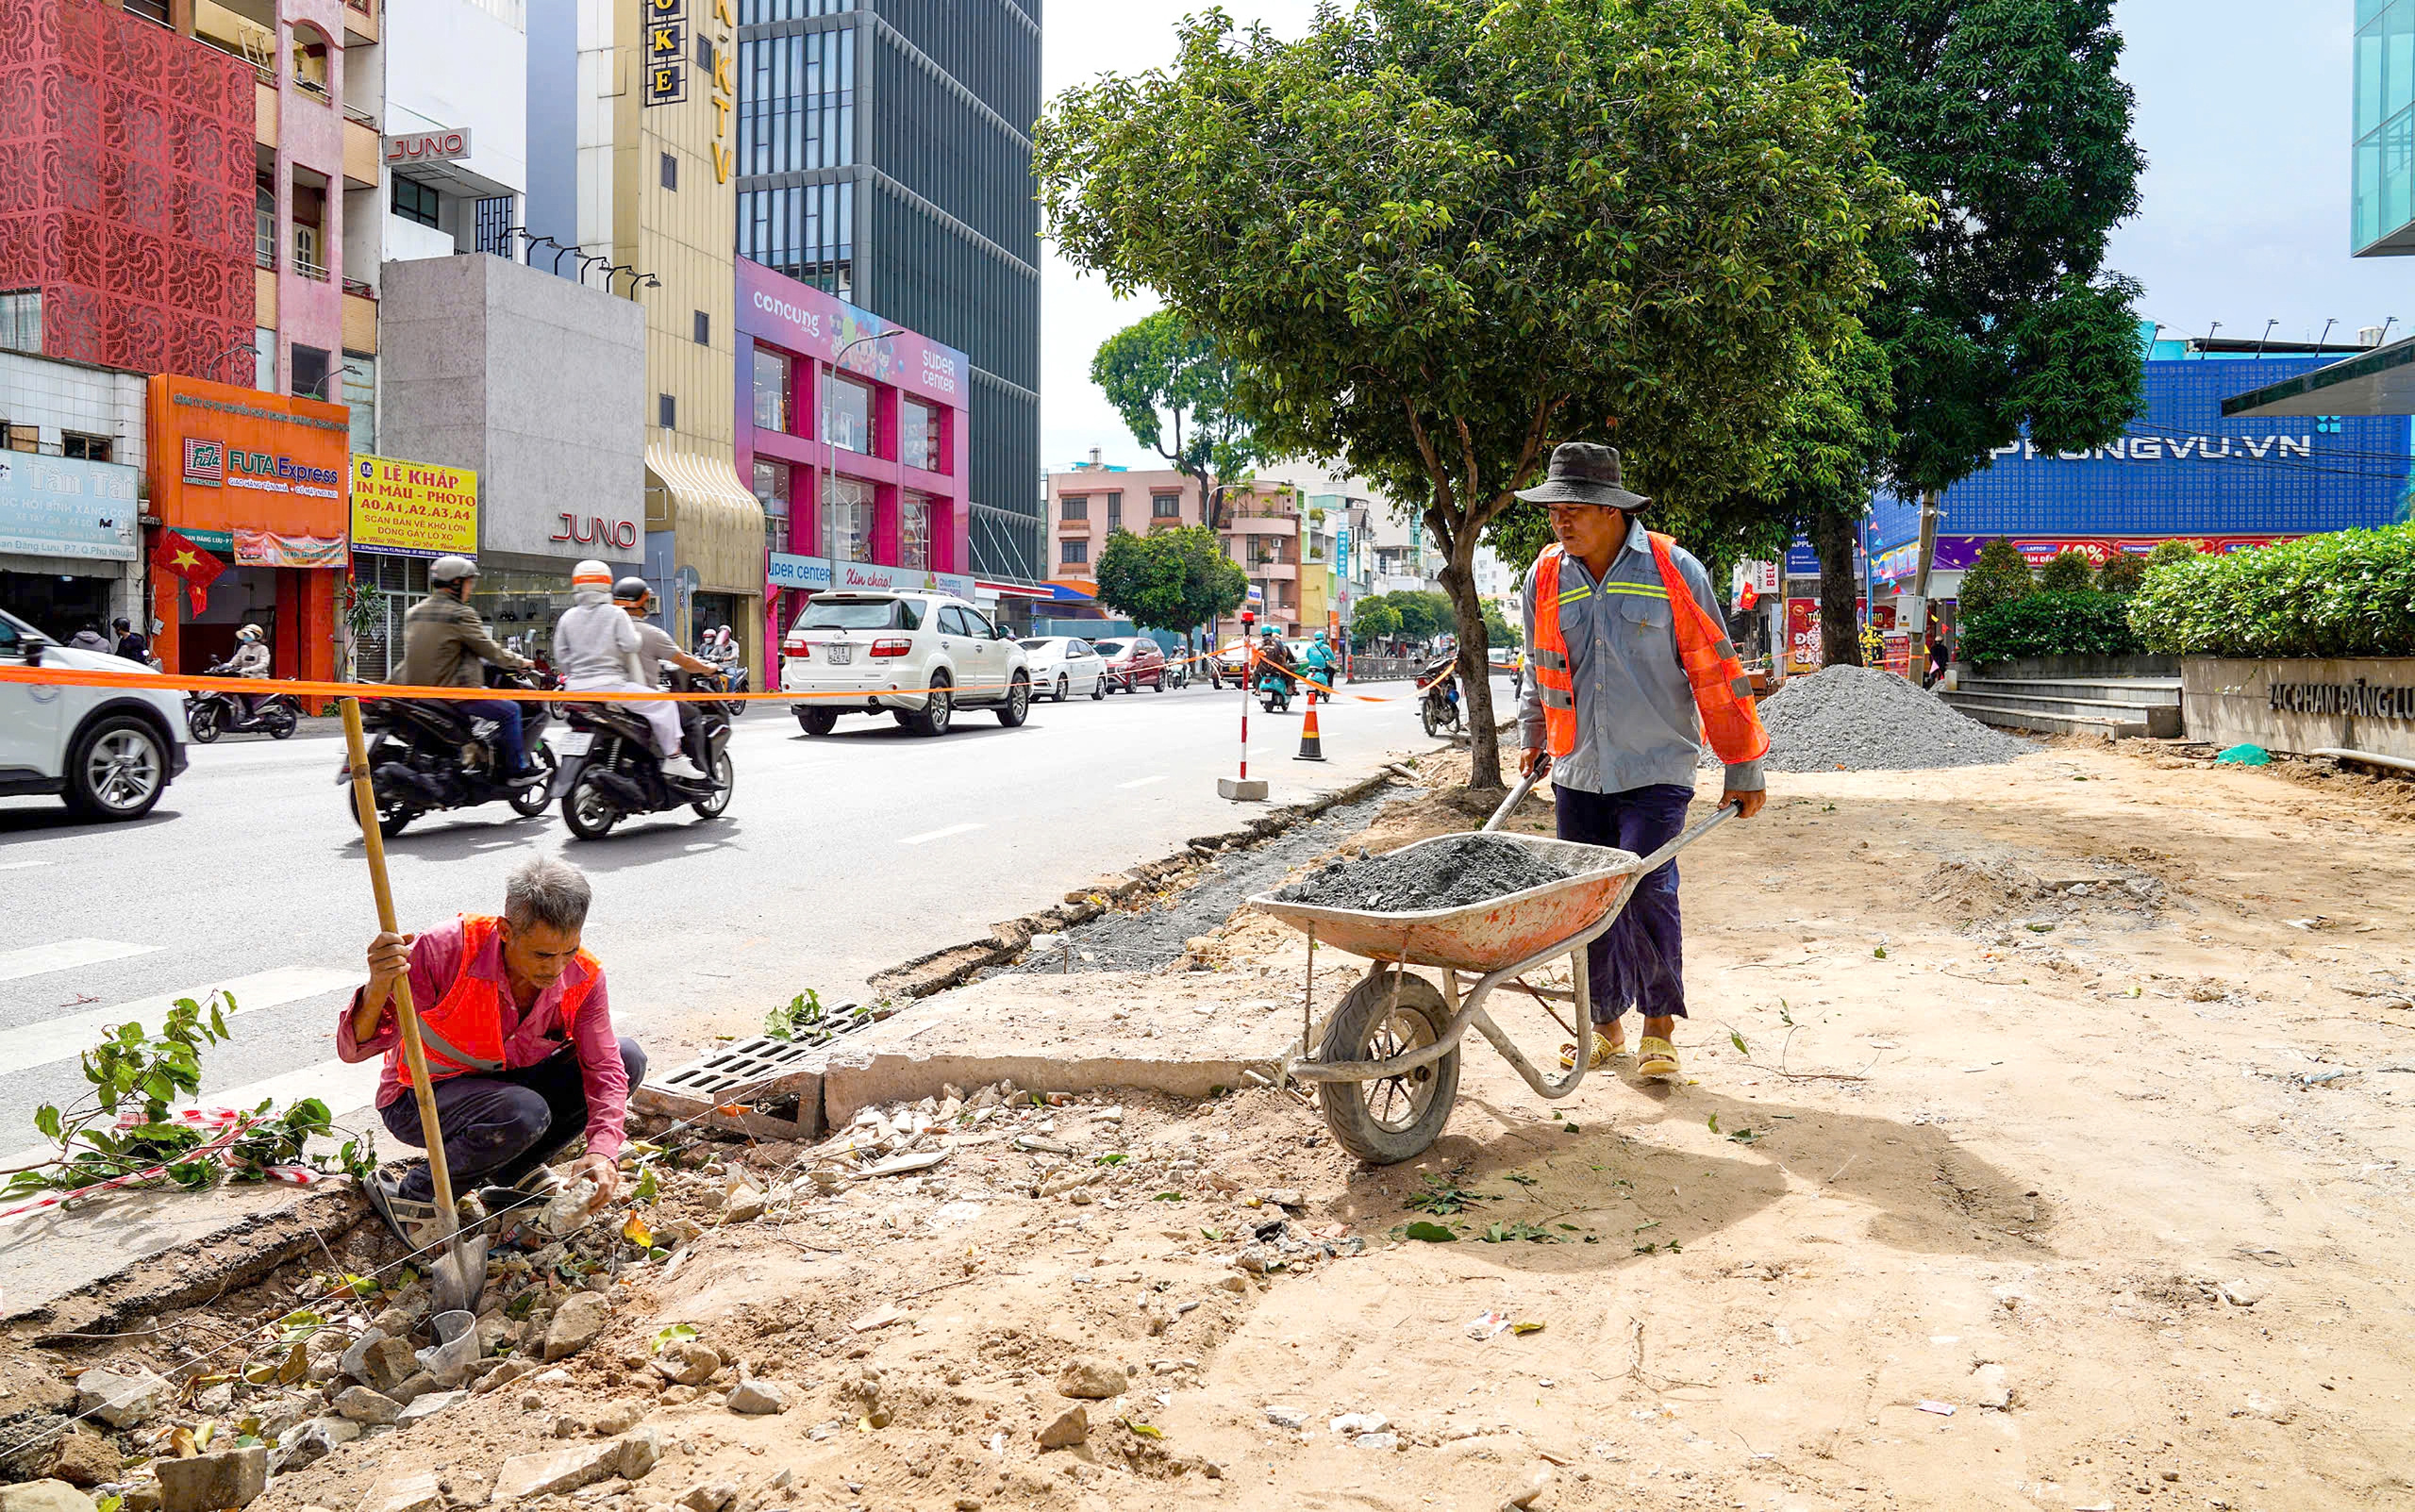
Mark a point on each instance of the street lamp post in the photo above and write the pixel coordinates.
(829, 460)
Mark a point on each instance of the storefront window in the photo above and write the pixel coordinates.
(772, 492)
(520, 607)
(770, 390)
(851, 415)
(918, 435)
(914, 531)
(846, 520)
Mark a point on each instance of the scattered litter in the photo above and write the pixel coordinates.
(2244, 756)
(1943, 1409)
(1485, 1325)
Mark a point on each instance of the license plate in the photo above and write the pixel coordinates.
(576, 744)
(838, 654)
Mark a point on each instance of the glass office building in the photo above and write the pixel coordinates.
(2382, 195)
(884, 155)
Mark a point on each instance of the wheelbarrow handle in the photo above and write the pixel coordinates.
(1517, 796)
(1660, 857)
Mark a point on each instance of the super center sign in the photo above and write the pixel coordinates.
(413, 508)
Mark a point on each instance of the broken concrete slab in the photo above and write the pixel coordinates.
(207, 1482)
(558, 1473)
(1055, 1034)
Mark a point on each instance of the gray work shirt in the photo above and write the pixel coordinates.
(1635, 719)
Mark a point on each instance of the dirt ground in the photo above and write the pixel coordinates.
(2044, 1146)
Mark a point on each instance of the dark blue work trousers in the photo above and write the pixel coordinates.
(1639, 963)
(500, 1127)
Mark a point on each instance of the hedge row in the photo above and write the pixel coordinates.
(2082, 624)
(2348, 593)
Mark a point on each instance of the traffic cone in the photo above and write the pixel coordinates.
(1311, 748)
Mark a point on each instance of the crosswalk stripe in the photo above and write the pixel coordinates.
(65, 1037)
(60, 955)
(941, 833)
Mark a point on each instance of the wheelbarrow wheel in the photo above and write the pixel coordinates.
(1395, 1119)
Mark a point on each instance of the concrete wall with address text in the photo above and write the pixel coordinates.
(537, 383)
(2353, 703)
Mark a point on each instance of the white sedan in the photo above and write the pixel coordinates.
(1064, 665)
(109, 752)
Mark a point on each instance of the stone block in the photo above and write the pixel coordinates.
(208, 1483)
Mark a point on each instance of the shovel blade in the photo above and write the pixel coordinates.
(460, 1273)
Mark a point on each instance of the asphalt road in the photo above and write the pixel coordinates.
(837, 856)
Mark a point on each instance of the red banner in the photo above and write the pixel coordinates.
(1801, 635)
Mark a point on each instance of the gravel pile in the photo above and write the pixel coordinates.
(1861, 719)
(1450, 874)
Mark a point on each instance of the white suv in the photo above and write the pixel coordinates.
(917, 656)
(110, 752)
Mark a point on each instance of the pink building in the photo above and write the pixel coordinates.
(853, 432)
(1094, 501)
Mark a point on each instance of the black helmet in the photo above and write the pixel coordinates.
(630, 591)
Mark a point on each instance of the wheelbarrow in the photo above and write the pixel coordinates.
(1389, 1052)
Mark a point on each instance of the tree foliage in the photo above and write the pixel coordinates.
(2001, 575)
(1174, 391)
(1438, 238)
(2067, 572)
(2051, 622)
(1373, 619)
(2123, 572)
(1415, 614)
(2347, 593)
(1998, 315)
(1177, 580)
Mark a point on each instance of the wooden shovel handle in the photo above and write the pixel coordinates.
(365, 797)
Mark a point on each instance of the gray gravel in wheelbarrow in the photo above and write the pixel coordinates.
(1446, 874)
(1861, 720)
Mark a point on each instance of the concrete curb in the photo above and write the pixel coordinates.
(251, 1247)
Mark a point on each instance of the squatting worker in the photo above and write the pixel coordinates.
(1631, 674)
(517, 1028)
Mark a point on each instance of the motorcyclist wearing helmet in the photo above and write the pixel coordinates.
(1319, 663)
(251, 659)
(598, 648)
(635, 598)
(445, 645)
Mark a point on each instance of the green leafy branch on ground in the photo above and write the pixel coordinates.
(793, 1019)
(123, 1126)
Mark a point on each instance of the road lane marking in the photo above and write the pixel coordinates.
(927, 836)
(23, 865)
(1142, 782)
(65, 1037)
(58, 957)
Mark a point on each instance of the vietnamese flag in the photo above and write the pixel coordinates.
(199, 569)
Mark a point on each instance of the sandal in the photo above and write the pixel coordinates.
(1605, 1051)
(1657, 1061)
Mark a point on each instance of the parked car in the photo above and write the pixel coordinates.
(1130, 663)
(915, 657)
(1063, 665)
(109, 752)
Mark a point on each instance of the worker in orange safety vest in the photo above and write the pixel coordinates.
(1631, 674)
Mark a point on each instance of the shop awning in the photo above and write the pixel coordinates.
(1010, 588)
(717, 524)
(2379, 382)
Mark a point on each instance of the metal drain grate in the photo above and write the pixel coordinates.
(735, 1066)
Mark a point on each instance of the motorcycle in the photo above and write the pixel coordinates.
(609, 771)
(425, 755)
(1274, 691)
(209, 715)
(1438, 702)
(734, 680)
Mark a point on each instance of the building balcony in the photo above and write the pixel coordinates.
(359, 319)
(359, 23)
(1278, 571)
(361, 153)
(1072, 527)
(310, 269)
(1255, 509)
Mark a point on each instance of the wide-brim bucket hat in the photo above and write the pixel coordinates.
(1584, 472)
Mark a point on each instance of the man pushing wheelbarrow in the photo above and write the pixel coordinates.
(1632, 672)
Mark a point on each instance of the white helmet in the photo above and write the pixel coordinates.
(592, 574)
(448, 569)
(250, 632)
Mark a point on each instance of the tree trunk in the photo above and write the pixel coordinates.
(1839, 627)
(1475, 670)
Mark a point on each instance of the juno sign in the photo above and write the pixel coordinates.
(426, 147)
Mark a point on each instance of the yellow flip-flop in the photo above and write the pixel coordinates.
(1605, 1051)
(1657, 1061)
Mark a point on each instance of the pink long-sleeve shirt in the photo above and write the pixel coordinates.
(527, 1038)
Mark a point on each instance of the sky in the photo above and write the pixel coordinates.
(2244, 113)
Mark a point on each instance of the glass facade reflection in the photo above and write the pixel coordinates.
(2382, 191)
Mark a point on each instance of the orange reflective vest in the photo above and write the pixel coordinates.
(463, 1034)
(1731, 722)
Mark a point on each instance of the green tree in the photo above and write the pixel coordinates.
(1424, 613)
(1998, 316)
(1165, 380)
(1439, 238)
(2000, 576)
(1177, 580)
(2166, 552)
(2123, 572)
(1373, 619)
(2067, 572)
(1498, 631)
